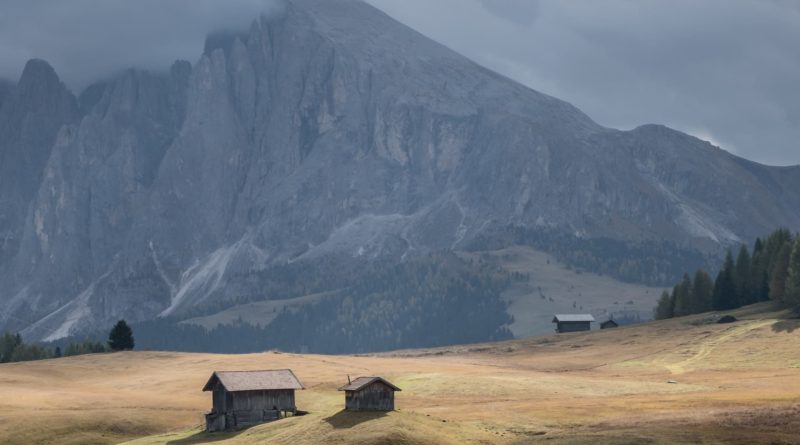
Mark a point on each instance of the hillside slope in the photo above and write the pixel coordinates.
(328, 129)
(737, 383)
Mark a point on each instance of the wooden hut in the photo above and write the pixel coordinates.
(243, 398)
(573, 322)
(609, 324)
(369, 394)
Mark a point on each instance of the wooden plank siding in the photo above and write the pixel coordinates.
(573, 326)
(376, 396)
(282, 400)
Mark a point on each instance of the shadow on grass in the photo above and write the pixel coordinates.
(789, 326)
(349, 419)
(204, 437)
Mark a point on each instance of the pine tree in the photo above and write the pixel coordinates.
(702, 290)
(683, 297)
(773, 246)
(8, 343)
(759, 279)
(724, 296)
(664, 309)
(742, 277)
(793, 277)
(121, 337)
(779, 273)
(57, 353)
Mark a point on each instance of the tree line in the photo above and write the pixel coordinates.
(771, 272)
(431, 300)
(14, 349)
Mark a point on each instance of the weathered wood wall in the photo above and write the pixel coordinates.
(574, 326)
(263, 400)
(237, 409)
(373, 397)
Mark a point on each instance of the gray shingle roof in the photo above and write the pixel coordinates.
(361, 382)
(572, 317)
(234, 381)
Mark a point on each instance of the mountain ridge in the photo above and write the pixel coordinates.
(332, 129)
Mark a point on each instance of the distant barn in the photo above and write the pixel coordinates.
(573, 322)
(609, 324)
(369, 394)
(243, 398)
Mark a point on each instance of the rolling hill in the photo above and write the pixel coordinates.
(735, 383)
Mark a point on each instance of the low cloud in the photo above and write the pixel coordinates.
(86, 40)
(724, 70)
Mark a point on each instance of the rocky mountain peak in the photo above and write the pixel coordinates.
(39, 87)
(329, 130)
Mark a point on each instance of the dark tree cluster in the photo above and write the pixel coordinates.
(14, 349)
(770, 272)
(433, 300)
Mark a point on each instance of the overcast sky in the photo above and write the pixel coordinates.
(727, 71)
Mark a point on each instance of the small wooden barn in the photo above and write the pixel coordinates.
(573, 322)
(609, 324)
(369, 394)
(243, 398)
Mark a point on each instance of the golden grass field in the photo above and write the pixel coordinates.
(736, 383)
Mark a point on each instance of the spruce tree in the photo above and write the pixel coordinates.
(793, 277)
(664, 309)
(8, 343)
(773, 246)
(779, 273)
(742, 277)
(724, 296)
(683, 297)
(759, 279)
(121, 337)
(702, 290)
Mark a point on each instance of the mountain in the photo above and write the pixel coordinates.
(325, 138)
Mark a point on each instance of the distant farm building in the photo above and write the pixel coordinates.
(243, 398)
(609, 324)
(369, 394)
(573, 322)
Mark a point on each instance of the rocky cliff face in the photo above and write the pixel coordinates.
(326, 129)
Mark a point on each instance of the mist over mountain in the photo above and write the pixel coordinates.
(320, 148)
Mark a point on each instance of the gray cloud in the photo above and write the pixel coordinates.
(724, 70)
(86, 40)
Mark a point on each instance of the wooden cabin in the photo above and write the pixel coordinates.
(573, 322)
(369, 394)
(244, 398)
(609, 324)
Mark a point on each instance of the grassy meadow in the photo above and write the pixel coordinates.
(735, 383)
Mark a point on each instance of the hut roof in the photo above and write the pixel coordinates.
(234, 381)
(572, 317)
(361, 382)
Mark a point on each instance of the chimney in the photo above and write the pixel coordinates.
(348, 379)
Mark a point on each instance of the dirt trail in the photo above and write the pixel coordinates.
(708, 345)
